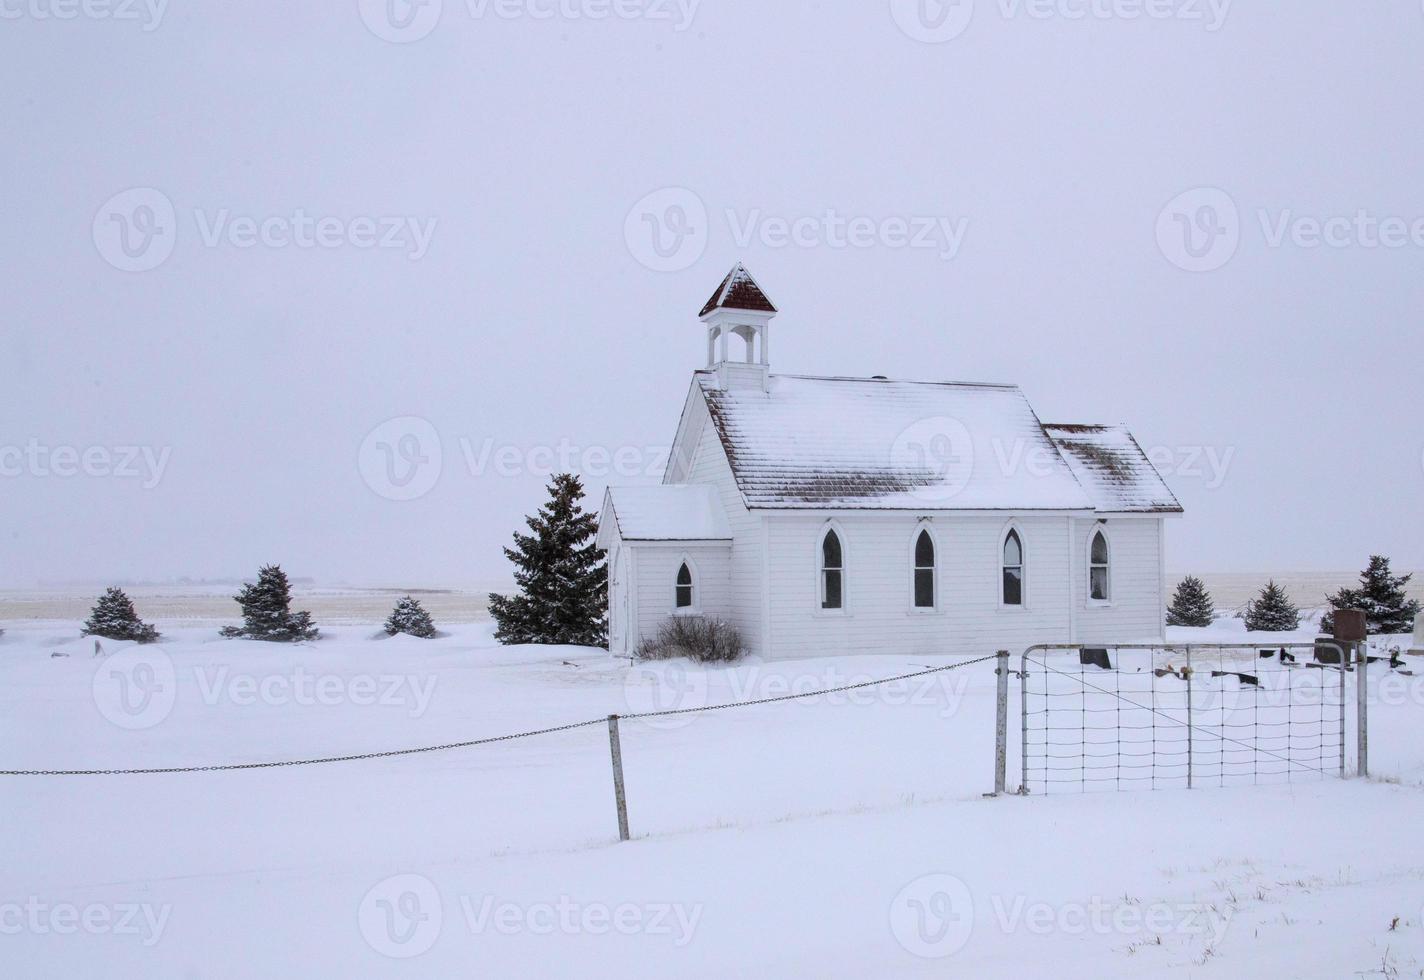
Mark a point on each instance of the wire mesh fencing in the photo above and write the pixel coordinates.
(1117, 718)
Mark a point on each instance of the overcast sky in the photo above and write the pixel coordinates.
(238, 239)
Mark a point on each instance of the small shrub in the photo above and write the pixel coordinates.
(1272, 611)
(267, 611)
(113, 618)
(410, 617)
(705, 640)
(1191, 605)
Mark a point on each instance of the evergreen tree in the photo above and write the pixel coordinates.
(1272, 611)
(266, 611)
(410, 617)
(560, 571)
(1381, 596)
(1191, 604)
(113, 618)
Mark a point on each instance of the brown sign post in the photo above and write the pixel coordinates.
(1351, 629)
(1350, 625)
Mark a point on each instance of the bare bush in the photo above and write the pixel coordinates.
(695, 637)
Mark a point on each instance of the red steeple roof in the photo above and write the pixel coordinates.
(739, 291)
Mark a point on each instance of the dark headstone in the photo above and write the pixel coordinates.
(1350, 625)
(1327, 651)
(1094, 657)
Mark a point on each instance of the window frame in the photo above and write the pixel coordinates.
(1012, 529)
(831, 527)
(696, 608)
(1093, 533)
(924, 527)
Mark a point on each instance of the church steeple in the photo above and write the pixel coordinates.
(739, 307)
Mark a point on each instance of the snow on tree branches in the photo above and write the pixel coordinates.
(113, 617)
(1272, 611)
(410, 617)
(560, 571)
(1381, 597)
(266, 611)
(1191, 604)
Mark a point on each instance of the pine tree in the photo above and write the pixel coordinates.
(1272, 611)
(113, 617)
(1191, 604)
(1381, 596)
(560, 571)
(266, 611)
(410, 617)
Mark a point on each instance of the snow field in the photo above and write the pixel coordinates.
(841, 835)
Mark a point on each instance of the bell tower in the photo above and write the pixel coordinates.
(739, 308)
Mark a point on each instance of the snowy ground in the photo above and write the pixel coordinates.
(835, 836)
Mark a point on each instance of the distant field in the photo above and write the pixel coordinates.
(200, 605)
(204, 604)
(1232, 590)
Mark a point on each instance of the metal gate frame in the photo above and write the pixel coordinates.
(1353, 659)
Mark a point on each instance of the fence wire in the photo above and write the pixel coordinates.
(1177, 717)
(393, 753)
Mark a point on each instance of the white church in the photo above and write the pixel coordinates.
(827, 515)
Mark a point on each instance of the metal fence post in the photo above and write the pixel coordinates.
(1023, 720)
(1001, 726)
(1362, 716)
(1189, 718)
(618, 794)
(1342, 713)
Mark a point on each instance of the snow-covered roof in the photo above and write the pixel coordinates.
(850, 443)
(1114, 470)
(739, 291)
(668, 513)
